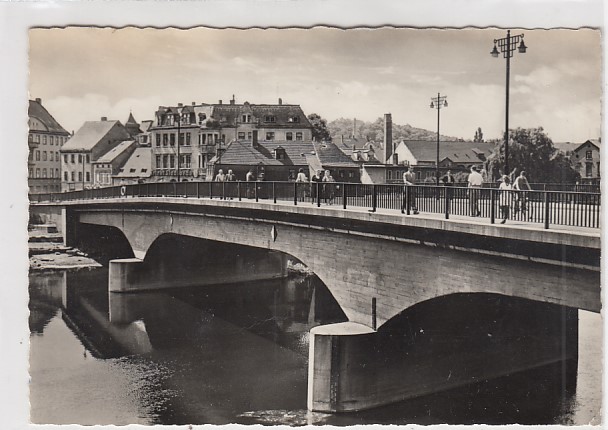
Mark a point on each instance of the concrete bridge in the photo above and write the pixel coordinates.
(376, 265)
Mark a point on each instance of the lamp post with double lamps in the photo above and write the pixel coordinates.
(438, 103)
(507, 46)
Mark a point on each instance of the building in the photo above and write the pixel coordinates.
(206, 130)
(137, 168)
(586, 159)
(144, 138)
(89, 143)
(110, 163)
(453, 155)
(327, 156)
(270, 161)
(45, 139)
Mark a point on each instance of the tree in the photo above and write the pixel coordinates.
(320, 132)
(531, 150)
(478, 135)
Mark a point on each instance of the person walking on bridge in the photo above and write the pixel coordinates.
(409, 179)
(475, 182)
(521, 185)
(505, 197)
(301, 181)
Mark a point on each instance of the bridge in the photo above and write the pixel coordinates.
(377, 260)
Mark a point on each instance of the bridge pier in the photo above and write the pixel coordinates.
(134, 274)
(352, 367)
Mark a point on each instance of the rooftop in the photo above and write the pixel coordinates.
(109, 156)
(89, 135)
(36, 110)
(139, 164)
(457, 152)
(243, 153)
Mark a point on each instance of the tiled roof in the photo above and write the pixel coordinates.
(89, 135)
(457, 152)
(282, 114)
(330, 155)
(139, 164)
(242, 153)
(36, 110)
(109, 156)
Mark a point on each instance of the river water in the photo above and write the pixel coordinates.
(239, 354)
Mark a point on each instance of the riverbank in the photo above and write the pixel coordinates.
(47, 252)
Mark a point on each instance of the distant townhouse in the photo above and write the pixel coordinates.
(45, 139)
(327, 156)
(110, 163)
(137, 168)
(89, 143)
(586, 159)
(454, 155)
(200, 133)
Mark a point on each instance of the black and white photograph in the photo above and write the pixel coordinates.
(312, 225)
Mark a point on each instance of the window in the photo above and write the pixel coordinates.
(44, 140)
(37, 172)
(588, 170)
(31, 173)
(88, 158)
(30, 137)
(72, 158)
(57, 156)
(51, 156)
(249, 135)
(37, 155)
(158, 162)
(52, 140)
(293, 119)
(181, 139)
(51, 174)
(589, 155)
(185, 161)
(57, 173)
(299, 135)
(246, 118)
(269, 118)
(37, 138)
(165, 139)
(172, 139)
(88, 176)
(79, 158)
(188, 137)
(165, 161)
(241, 135)
(79, 176)
(270, 135)
(158, 140)
(131, 170)
(351, 175)
(43, 155)
(73, 177)
(65, 176)
(172, 159)
(144, 170)
(65, 158)
(289, 135)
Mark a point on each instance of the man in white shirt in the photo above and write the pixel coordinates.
(475, 181)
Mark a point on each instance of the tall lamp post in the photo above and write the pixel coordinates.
(507, 46)
(438, 103)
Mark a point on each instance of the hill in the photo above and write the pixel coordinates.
(375, 130)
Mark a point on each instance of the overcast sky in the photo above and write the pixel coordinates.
(85, 73)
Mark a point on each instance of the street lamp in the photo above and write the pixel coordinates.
(507, 46)
(438, 103)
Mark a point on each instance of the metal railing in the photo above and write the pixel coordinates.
(568, 208)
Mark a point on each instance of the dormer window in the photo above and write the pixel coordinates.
(293, 119)
(246, 118)
(279, 153)
(270, 118)
(201, 117)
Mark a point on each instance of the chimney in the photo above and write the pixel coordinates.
(38, 100)
(104, 118)
(220, 102)
(232, 100)
(193, 103)
(388, 137)
(180, 105)
(254, 139)
(280, 101)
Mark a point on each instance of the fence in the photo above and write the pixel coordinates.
(569, 208)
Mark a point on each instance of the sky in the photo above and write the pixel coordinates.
(85, 73)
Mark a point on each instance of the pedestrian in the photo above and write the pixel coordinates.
(521, 185)
(475, 181)
(315, 180)
(409, 179)
(231, 177)
(250, 178)
(301, 181)
(448, 181)
(220, 177)
(505, 197)
(328, 187)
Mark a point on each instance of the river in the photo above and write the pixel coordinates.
(239, 354)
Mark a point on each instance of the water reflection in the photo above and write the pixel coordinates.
(227, 354)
